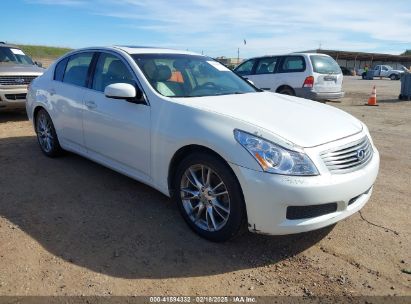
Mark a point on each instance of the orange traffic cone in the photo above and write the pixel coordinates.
(372, 101)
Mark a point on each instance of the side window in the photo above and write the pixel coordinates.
(266, 65)
(60, 68)
(110, 69)
(77, 69)
(385, 68)
(293, 64)
(246, 67)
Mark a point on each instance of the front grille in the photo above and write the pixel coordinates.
(16, 80)
(348, 158)
(16, 96)
(304, 212)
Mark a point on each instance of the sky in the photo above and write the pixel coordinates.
(212, 27)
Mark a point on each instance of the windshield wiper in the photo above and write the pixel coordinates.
(228, 93)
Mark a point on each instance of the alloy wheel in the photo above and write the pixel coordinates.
(45, 133)
(205, 198)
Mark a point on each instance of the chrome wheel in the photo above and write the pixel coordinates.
(45, 133)
(205, 198)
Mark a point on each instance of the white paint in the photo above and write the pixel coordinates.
(17, 52)
(140, 141)
(218, 66)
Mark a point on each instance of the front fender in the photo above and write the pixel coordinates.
(194, 127)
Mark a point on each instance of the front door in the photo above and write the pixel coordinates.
(116, 131)
(264, 77)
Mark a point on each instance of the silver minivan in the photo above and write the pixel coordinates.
(309, 75)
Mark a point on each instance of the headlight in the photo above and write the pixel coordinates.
(274, 158)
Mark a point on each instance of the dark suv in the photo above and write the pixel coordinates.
(17, 70)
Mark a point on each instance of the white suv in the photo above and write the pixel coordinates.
(314, 76)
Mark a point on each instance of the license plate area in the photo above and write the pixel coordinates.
(330, 78)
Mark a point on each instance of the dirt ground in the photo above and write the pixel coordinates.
(71, 227)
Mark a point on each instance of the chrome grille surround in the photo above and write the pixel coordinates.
(349, 157)
(16, 80)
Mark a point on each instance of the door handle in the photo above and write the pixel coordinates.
(91, 104)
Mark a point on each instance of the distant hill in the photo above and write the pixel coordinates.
(407, 52)
(41, 51)
(44, 54)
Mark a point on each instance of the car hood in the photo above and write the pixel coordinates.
(305, 123)
(20, 69)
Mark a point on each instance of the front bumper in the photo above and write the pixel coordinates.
(309, 94)
(13, 97)
(267, 197)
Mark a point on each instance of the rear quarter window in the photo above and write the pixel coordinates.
(60, 68)
(77, 69)
(292, 64)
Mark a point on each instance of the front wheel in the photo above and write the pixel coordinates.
(209, 197)
(46, 134)
(393, 77)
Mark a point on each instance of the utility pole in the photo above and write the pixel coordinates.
(238, 55)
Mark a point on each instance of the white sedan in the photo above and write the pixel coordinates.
(228, 154)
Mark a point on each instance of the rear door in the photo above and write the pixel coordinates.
(264, 73)
(327, 74)
(291, 71)
(66, 93)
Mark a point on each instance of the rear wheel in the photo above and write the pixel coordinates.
(286, 91)
(209, 197)
(393, 77)
(46, 134)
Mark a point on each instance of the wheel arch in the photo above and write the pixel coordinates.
(36, 112)
(183, 152)
(284, 86)
(395, 75)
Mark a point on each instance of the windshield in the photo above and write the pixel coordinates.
(178, 75)
(13, 55)
(325, 65)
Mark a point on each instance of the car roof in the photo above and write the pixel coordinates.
(3, 44)
(288, 54)
(139, 50)
(152, 50)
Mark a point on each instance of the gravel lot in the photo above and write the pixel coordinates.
(71, 227)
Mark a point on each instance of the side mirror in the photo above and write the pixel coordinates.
(39, 64)
(124, 91)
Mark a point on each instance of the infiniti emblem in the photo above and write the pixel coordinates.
(361, 154)
(19, 80)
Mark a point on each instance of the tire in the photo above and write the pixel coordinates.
(206, 209)
(46, 135)
(393, 77)
(286, 91)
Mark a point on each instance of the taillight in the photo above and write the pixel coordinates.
(308, 82)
